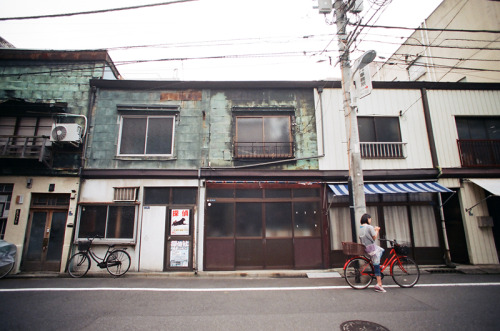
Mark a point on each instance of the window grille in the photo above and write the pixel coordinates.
(125, 193)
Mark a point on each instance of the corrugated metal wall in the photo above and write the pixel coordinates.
(480, 241)
(445, 105)
(404, 104)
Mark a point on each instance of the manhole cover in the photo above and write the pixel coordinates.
(362, 325)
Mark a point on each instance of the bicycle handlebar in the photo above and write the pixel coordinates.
(91, 239)
(393, 242)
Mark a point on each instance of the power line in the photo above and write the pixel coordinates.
(93, 11)
(426, 29)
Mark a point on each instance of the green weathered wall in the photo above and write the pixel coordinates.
(204, 128)
(36, 81)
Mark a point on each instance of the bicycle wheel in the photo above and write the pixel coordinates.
(78, 265)
(118, 262)
(405, 272)
(358, 273)
(6, 269)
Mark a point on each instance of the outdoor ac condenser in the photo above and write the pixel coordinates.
(66, 132)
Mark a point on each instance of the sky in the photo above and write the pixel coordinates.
(210, 39)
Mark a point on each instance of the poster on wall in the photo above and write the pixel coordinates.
(179, 222)
(179, 253)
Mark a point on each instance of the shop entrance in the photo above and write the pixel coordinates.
(45, 232)
(263, 226)
(179, 240)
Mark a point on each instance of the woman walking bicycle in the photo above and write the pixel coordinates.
(368, 235)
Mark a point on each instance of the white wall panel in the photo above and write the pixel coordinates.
(445, 105)
(405, 104)
(480, 241)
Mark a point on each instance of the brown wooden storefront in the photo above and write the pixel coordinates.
(265, 225)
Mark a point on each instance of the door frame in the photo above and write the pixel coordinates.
(182, 237)
(43, 264)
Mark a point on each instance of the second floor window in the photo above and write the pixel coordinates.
(147, 135)
(479, 141)
(263, 137)
(380, 137)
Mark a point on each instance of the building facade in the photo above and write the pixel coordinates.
(205, 175)
(413, 134)
(194, 176)
(44, 98)
(456, 43)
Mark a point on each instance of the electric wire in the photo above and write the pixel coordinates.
(93, 11)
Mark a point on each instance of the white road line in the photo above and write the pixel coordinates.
(225, 289)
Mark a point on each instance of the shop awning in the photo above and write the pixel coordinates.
(491, 185)
(386, 188)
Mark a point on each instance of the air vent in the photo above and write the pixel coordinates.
(125, 193)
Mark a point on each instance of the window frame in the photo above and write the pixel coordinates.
(147, 117)
(106, 239)
(289, 115)
(378, 148)
(374, 127)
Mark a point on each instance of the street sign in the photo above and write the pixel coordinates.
(363, 82)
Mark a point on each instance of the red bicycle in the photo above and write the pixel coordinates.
(359, 272)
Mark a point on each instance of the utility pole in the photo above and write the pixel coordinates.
(357, 202)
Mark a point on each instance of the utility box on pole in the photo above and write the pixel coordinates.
(325, 6)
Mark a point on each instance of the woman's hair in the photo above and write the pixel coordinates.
(364, 218)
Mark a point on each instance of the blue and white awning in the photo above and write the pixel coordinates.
(385, 188)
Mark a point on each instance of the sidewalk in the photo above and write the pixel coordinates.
(322, 273)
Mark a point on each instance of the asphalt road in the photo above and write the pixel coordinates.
(438, 302)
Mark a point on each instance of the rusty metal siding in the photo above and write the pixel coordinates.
(204, 126)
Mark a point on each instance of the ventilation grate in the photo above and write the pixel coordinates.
(125, 193)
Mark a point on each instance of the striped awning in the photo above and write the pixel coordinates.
(386, 188)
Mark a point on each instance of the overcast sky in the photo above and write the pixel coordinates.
(209, 39)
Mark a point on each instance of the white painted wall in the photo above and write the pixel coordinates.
(404, 104)
(445, 105)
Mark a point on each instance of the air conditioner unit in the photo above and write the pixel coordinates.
(66, 132)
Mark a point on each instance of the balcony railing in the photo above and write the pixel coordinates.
(26, 147)
(479, 153)
(260, 150)
(381, 150)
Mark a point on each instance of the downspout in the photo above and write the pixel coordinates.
(197, 238)
(87, 118)
(447, 254)
(428, 126)
(435, 164)
(320, 94)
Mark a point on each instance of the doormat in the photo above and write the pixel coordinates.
(332, 274)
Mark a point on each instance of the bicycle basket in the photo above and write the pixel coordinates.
(402, 249)
(84, 245)
(352, 248)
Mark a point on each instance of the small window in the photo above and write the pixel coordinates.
(108, 221)
(147, 135)
(263, 137)
(126, 193)
(380, 137)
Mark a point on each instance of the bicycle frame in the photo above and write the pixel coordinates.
(388, 261)
(97, 259)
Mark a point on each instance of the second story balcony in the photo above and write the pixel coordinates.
(263, 150)
(26, 147)
(383, 150)
(479, 152)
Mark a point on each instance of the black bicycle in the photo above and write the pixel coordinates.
(116, 261)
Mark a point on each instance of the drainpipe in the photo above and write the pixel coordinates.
(320, 94)
(197, 237)
(447, 255)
